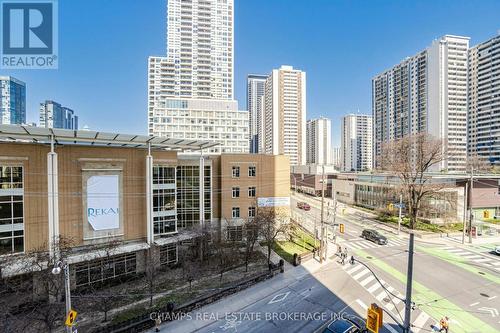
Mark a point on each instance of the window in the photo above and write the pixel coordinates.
(164, 225)
(188, 195)
(235, 233)
(168, 254)
(252, 171)
(236, 212)
(11, 210)
(251, 211)
(105, 269)
(163, 200)
(252, 191)
(236, 192)
(236, 172)
(163, 175)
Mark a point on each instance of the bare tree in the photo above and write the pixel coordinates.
(478, 164)
(227, 256)
(32, 298)
(410, 159)
(271, 224)
(152, 265)
(251, 236)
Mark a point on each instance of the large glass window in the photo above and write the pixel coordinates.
(163, 175)
(11, 209)
(104, 269)
(163, 200)
(168, 254)
(164, 224)
(188, 195)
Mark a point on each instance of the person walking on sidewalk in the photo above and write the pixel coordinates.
(443, 325)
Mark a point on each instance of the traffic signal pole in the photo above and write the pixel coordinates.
(322, 241)
(409, 280)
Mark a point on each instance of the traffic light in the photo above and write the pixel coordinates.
(341, 228)
(374, 318)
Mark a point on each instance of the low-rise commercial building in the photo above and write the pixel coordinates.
(374, 191)
(96, 188)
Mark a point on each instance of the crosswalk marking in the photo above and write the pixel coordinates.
(394, 305)
(473, 256)
(362, 273)
(361, 244)
(354, 269)
(368, 279)
(373, 288)
(420, 322)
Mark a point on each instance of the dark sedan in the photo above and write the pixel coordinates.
(374, 236)
(350, 324)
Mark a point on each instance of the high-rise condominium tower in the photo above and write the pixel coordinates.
(285, 114)
(426, 93)
(190, 91)
(255, 106)
(319, 141)
(484, 100)
(200, 49)
(54, 115)
(356, 144)
(12, 101)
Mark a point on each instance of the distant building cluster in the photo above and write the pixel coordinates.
(450, 91)
(13, 107)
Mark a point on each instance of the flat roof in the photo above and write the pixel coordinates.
(23, 133)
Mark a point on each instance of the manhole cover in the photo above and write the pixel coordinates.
(482, 273)
(483, 294)
(369, 257)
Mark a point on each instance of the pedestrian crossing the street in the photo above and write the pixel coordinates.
(474, 257)
(395, 305)
(362, 244)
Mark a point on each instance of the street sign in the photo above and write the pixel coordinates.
(70, 320)
(372, 321)
(397, 205)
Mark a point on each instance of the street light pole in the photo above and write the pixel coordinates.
(322, 246)
(67, 287)
(409, 281)
(399, 219)
(471, 216)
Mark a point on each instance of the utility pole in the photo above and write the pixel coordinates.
(471, 216)
(409, 280)
(466, 207)
(400, 207)
(322, 242)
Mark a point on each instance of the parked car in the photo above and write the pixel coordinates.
(350, 324)
(374, 236)
(497, 249)
(303, 205)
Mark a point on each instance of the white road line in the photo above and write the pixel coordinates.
(492, 297)
(471, 257)
(420, 322)
(354, 246)
(496, 263)
(474, 304)
(374, 287)
(354, 269)
(456, 250)
(390, 328)
(360, 274)
(381, 296)
(482, 260)
(363, 245)
(363, 305)
(368, 279)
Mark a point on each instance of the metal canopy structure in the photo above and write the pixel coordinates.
(16, 133)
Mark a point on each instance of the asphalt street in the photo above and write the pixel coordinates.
(451, 280)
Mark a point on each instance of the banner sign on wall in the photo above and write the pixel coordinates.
(273, 202)
(103, 202)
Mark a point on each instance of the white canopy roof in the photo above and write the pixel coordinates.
(86, 137)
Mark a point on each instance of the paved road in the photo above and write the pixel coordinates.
(449, 280)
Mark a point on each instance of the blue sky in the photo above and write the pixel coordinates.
(104, 45)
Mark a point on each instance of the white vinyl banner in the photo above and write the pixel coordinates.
(103, 202)
(273, 202)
